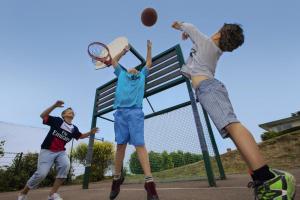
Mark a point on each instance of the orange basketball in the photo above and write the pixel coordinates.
(149, 17)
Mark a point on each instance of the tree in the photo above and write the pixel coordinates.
(155, 161)
(196, 157)
(2, 148)
(103, 156)
(167, 162)
(163, 161)
(188, 158)
(22, 168)
(269, 135)
(134, 164)
(177, 158)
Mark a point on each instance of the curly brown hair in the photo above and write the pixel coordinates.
(232, 36)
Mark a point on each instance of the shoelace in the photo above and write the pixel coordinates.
(254, 185)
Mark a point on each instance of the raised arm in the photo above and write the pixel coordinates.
(46, 112)
(190, 31)
(149, 54)
(116, 59)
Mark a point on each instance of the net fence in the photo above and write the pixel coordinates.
(174, 148)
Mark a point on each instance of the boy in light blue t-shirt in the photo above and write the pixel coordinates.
(129, 121)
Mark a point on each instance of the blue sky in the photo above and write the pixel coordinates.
(43, 54)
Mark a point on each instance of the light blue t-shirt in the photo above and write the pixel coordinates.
(130, 88)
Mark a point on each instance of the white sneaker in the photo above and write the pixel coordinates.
(55, 196)
(22, 197)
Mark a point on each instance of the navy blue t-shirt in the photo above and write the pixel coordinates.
(60, 133)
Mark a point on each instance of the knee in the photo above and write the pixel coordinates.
(36, 178)
(40, 174)
(63, 170)
(65, 166)
(140, 148)
(121, 147)
(234, 127)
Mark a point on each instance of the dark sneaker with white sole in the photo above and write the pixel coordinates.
(151, 191)
(115, 188)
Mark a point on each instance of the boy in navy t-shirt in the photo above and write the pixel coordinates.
(53, 149)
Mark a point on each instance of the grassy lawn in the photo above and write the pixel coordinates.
(282, 152)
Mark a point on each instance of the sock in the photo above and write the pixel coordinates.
(252, 175)
(148, 179)
(117, 176)
(262, 174)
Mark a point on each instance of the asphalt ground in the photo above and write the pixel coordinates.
(233, 188)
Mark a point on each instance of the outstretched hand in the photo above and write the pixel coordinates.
(94, 130)
(59, 103)
(149, 44)
(176, 25)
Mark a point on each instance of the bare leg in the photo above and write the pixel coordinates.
(246, 144)
(25, 190)
(57, 183)
(121, 148)
(144, 159)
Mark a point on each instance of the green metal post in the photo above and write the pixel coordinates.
(199, 127)
(89, 155)
(215, 147)
(203, 144)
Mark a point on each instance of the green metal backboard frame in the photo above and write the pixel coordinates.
(164, 63)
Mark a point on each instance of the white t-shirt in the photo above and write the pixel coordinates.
(67, 127)
(204, 54)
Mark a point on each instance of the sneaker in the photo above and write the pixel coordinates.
(151, 191)
(55, 196)
(22, 197)
(115, 188)
(281, 187)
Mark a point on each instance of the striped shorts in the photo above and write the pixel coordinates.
(213, 97)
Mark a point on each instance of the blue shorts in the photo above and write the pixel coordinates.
(129, 126)
(213, 97)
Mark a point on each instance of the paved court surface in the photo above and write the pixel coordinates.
(234, 188)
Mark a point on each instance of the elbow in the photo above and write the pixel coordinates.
(114, 63)
(82, 136)
(149, 64)
(44, 115)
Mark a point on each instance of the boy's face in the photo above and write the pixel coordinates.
(69, 114)
(216, 37)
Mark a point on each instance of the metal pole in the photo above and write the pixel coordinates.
(206, 159)
(71, 160)
(150, 105)
(18, 162)
(214, 145)
(203, 145)
(89, 155)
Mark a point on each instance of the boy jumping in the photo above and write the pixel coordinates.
(53, 149)
(129, 121)
(200, 67)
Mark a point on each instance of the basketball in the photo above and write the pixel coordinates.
(149, 17)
